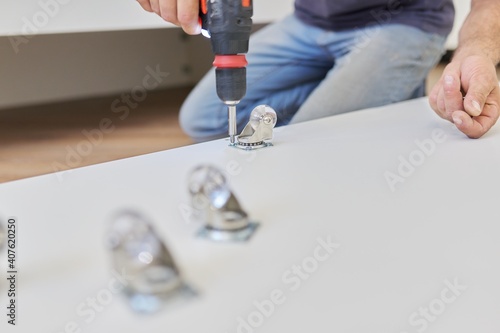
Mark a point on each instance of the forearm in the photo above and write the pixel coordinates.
(480, 33)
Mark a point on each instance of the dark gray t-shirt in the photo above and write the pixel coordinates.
(435, 16)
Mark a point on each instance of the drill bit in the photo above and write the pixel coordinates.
(232, 122)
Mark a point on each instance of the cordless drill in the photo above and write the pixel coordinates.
(228, 23)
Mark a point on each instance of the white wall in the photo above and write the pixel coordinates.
(462, 8)
(21, 17)
(70, 66)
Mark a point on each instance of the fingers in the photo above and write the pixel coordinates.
(475, 127)
(482, 101)
(187, 15)
(168, 11)
(436, 100)
(145, 5)
(452, 96)
(183, 13)
(478, 91)
(155, 6)
(433, 98)
(442, 105)
(446, 96)
(479, 110)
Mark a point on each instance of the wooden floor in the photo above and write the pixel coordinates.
(43, 139)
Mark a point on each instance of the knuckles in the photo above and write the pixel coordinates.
(145, 5)
(186, 18)
(169, 17)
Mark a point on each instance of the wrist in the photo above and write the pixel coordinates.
(479, 49)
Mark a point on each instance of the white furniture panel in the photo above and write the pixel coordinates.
(421, 257)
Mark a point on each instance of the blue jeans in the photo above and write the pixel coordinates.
(305, 73)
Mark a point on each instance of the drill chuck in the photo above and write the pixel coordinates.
(230, 74)
(231, 83)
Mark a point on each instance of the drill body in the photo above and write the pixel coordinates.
(228, 23)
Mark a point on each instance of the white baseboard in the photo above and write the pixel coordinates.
(50, 68)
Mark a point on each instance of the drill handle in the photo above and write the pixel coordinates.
(228, 23)
(204, 18)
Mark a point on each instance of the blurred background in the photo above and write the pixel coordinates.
(87, 81)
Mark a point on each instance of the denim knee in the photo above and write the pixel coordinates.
(198, 118)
